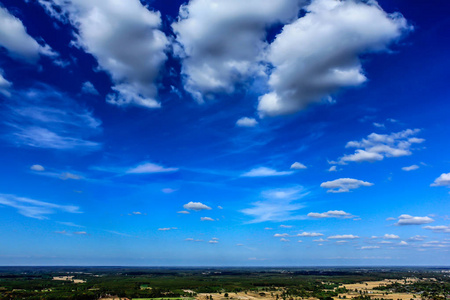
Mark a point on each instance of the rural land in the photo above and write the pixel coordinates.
(114, 283)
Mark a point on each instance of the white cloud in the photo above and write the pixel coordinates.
(443, 180)
(378, 125)
(136, 213)
(206, 219)
(213, 242)
(37, 168)
(35, 208)
(281, 235)
(418, 238)
(284, 240)
(439, 228)
(148, 168)
(166, 229)
(321, 240)
(19, 44)
(279, 205)
(184, 212)
(246, 122)
(221, 42)
(45, 118)
(378, 146)
(285, 226)
(403, 243)
(4, 85)
(125, 40)
(390, 236)
(343, 185)
(410, 168)
(332, 169)
(310, 234)
(168, 190)
(89, 88)
(67, 175)
(319, 53)
(410, 220)
(265, 172)
(298, 166)
(344, 237)
(331, 214)
(369, 247)
(80, 233)
(196, 206)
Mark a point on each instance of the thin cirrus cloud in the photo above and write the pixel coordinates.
(265, 172)
(303, 75)
(34, 208)
(412, 220)
(344, 185)
(43, 117)
(18, 43)
(338, 214)
(103, 27)
(149, 168)
(378, 146)
(222, 43)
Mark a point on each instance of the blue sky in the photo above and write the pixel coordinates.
(224, 133)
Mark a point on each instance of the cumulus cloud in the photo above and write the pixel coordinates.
(89, 88)
(410, 168)
(278, 205)
(148, 168)
(221, 43)
(284, 240)
(18, 43)
(265, 172)
(37, 168)
(310, 234)
(344, 237)
(281, 235)
(439, 228)
(344, 185)
(331, 214)
(443, 180)
(319, 53)
(35, 208)
(196, 206)
(45, 118)
(206, 219)
(298, 166)
(391, 236)
(126, 41)
(246, 122)
(378, 146)
(418, 238)
(410, 220)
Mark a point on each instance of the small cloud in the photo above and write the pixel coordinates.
(281, 235)
(321, 240)
(196, 206)
(246, 122)
(390, 219)
(168, 191)
(439, 228)
(214, 238)
(61, 232)
(391, 236)
(240, 245)
(80, 233)
(183, 212)
(89, 88)
(344, 237)
(285, 226)
(268, 228)
(213, 242)
(67, 175)
(189, 239)
(410, 168)
(265, 172)
(299, 241)
(37, 168)
(167, 229)
(136, 213)
(310, 234)
(403, 243)
(219, 207)
(284, 240)
(341, 242)
(344, 185)
(331, 214)
(332, 169)
(418, 238)
(149, 168)
(443, 180)
(206, 219)
(298, 166)
(370, 247)
(378, 125)
(410, 220)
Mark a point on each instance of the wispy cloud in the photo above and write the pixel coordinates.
(331, 214)
(310, 234)
(206, 219)
(410, 168)
(438, 228)
(344, 237)
(265, 172)
(35, 208)
(148, 168)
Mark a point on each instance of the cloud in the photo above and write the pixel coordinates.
(222, 43)
(213, 242)
(124, 39)
(410, 220)
(298, 166)
(344, 185)
(45, 118)
(284, 240)
(438, 229)
(318, 54)
(167, 229)
(410, 168)
(331, 214)
(418, 238)
(4, 84)
(183, 212)
(37, 168)
(136, 213)
(310, 234)
(67, 175)
(344, 237)
(265, 172)
(196, 206)
(246, 122)
(332, 169)
(403, 243)
(281, 235)
(321, 240)
(206, 219)
(168, 190)
(18, 43)
(80, 233)
(89, 88)
(443, 180)
(148, 168)
(35, 208)
(278, 205)
(378, 146)
(285, 226)
(391, 236)
(369, 247)
(378, 125)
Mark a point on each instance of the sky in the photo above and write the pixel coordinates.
(224, 133)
